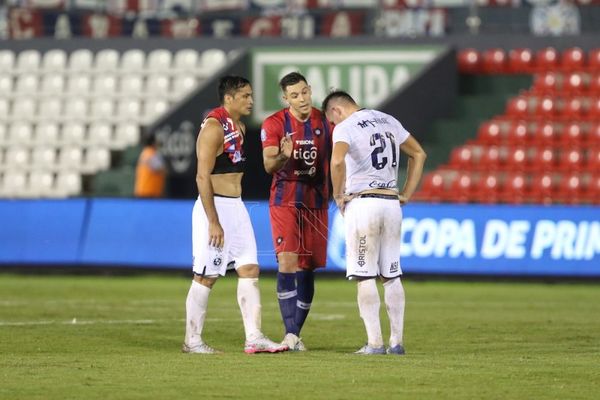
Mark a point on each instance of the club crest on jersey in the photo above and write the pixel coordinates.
(317, 131)
(263, 135)
(237, 156)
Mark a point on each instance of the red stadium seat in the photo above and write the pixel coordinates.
(541, 188)
(546, 82)
(517, 107)
(594, 84)
(514, 188)
(461, 189)
(594, 60)
(520, 61)
(572, 135)
(569, 189)
(432, 188)
(543, 159)
(591, 191)
(546, 133)
(571, 160)
(461, 157)
(593, 136)
(573, 108)
(517, 159)
(546, 59)
(572, 59)
(488, 189)
(546, 107)
(469, 61)
(574, 83)
(490, 159)
(494, 61)
(592, 162)
(594, 110)
(489, 133)
(518, 133)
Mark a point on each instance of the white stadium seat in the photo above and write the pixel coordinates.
(46, 134)
(129, 109)
(76, 108)
(131, 85)
(23, 108)
(96, 159)
(14, 183)
(6, 84)
(157, 84)
(3, 134)
(107, 60)
(50, 108)
(127, 134)
(133, 61)
(73, 134)
(78, 84)
(53, 84)
(20, 133)
(4, 106)
(103, 109)
(43, 158)
(68, 183)
(183, 85)
(17, 157)
(159, 61)
(28, 61)
(100, 134)
(154, 108)
(54, 60)
(40, 184)
(105, 85)
(81, 61)
(212, 60)
(186, 60)
(70, 158)
(27, 84)
(7, 61)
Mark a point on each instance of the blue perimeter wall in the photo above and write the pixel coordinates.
(438, 239)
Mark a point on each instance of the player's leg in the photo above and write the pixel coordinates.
(285, 231)
(207, 263)
(390, 272)
(243, 252)
(362, 252)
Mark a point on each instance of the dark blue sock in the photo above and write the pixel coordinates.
(287, 295)
(306, 291)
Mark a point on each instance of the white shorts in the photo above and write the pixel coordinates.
(239, 244)
(373, 227)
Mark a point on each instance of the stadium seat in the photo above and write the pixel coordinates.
(131, 85)
(20, 134)
(157, 84)
(102, 109)
(571, 159)
(461, 189)
(54, 61)
(432, 188)
(28, 61)
(517, 159)
(17, 157)
(43, 158)
(592, 190)
(594, 110)
(469, 61)
(96, 159)
(514, 188)
(518, 133)
(3, 134)
(517, 107)
(73, 134)
(27, 84)
(488, 190)
(105, 85)
(40, 184)
(133, 61)
(81, 61)
(594, 60)
(494, 61)
(6, 84)
(543, 159)
(68, 184)
(154, 108)
(46, 134)
(574, 83)
(546, 82)
(594, 84)
(593, 136)
(186, 61)
(546, 59)
(569, 189)
(489, 133)
(53, 84)
(23, 108)
(4, 107)
(14, 183)
(159, 61)
(183, 85)
(7, 61)
(100, 134)
(490, 159)
(520, 61)
(573, 108)
(546, 133)
(126, 134)
(461, 158)
(78, 84)
(50, 108)
(129, 109)
(572, 59)
(76, 109)
(211, 60)
(592, 162)
(546, 107)
(107, 61)
(572, 135)
(70, 158)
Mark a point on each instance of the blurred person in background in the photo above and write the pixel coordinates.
(296, 148)
(150, 170)
(364, 174)
(222, 234)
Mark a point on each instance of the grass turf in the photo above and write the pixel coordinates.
(119, 338)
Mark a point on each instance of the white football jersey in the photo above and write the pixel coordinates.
(374, 140)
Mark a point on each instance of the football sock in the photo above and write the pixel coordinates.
(195, 312)
(368, 305)
(306, 290)
(287, 296)
(248, 296)
(394, 303)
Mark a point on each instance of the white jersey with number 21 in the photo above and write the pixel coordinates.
(374, 140)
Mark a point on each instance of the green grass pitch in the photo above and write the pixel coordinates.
(72, 337)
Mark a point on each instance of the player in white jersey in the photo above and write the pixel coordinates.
(364, 173)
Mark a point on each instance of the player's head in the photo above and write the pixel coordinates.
(235, 93)
(297, 94)
(338, 105)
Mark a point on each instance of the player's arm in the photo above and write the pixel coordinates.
(338, 173)
(210, 140)
(416, 160)
(276, 151)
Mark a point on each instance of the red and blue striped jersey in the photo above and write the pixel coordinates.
(232, 159)
(304, 180)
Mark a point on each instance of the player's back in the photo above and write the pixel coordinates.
(374, 140)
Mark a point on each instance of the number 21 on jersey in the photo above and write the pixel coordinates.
(378, 157)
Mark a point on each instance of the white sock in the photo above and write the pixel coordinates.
(394, 303)
(368, 305)
(195, 312)
(249, 300)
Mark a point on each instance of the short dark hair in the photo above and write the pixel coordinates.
(291, 79)
(149, 140)
(230, 84)
(335, 95)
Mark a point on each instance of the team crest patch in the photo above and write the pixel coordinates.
(217, 261)
(263, 135)
(317, 131)
(279, 240)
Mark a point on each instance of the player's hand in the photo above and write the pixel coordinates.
(341, 202)
(403, 199)
(286, 146)
(216, 236)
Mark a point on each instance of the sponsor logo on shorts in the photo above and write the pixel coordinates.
(362, 250)
(217, 261)
(394, 267)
